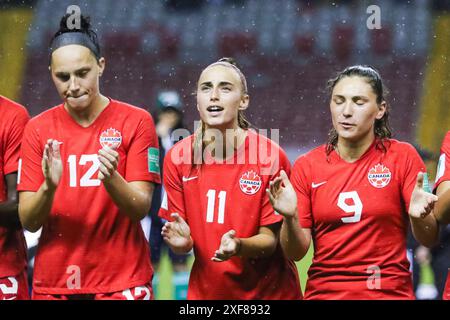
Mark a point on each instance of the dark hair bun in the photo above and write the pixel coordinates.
(228, 60)
(85, 25)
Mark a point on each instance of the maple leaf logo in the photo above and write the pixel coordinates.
(111, 138)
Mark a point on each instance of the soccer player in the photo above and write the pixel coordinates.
(88, 172)
(442, 210)
(216, 204)
(168, 119)
(13, 258)
(353, 197)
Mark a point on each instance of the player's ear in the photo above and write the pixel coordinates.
(101, 66)
(381, 110)
(244, 102)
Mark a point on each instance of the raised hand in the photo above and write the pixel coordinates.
(422, 202)
(51, 163)
(229, 246)
(282, 195)
(177, 233)
(109, 160)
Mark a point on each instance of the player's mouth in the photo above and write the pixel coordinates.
(76, 97)
(214, 110)
(347, 125)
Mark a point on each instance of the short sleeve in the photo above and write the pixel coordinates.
(268, 214)
(13, 140)
(143, 153)
(302, 189)
(30, 176)
(443, 169)
(412, 166)
(173, 198)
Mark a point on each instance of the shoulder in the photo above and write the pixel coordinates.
(12, 109)
(181, 150)
(446, 141)
(126, 108)
(264, 143)
(45, 119)
(396, 146)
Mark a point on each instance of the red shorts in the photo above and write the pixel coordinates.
(137, 293)
(14, 288)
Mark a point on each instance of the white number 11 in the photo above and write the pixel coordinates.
(211, 205)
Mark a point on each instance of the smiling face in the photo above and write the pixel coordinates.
(75, 72)
(354, 109)
(220, 97)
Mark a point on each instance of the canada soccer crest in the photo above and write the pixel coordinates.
(250, 183)
(379, 176)
(111, 138)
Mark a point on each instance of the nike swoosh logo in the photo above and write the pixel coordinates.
(13, 298)
(189, 179)
(316, 185)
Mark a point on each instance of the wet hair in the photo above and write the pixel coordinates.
(83, 36)
(242, 121)
(382, 128)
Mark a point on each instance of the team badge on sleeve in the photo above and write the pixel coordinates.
(379, 176)
(153, 160)
(111, 138)
(250, 183)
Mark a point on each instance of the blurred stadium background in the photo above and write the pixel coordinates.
(287, 48)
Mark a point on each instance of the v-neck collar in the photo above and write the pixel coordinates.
(100, 116)
(364, 155)
(210, 159)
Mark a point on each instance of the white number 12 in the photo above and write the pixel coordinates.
(86, 180)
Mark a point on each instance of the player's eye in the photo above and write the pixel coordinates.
(359, 101)
(338, 100)
(205, 88)
(226, 89)
(83, 73)
(63, 77)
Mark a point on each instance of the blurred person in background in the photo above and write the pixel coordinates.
(13, 257)
(169, 117)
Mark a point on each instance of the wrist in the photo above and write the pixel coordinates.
(49, 187)
(189, 245)
(291, 217)
(238, 247)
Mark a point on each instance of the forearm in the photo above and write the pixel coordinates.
(9, 214)
(35, 209)
(294, 241)
(258, 246)
(442, 208)
(425, 231)
(182, 248)
(132, 201)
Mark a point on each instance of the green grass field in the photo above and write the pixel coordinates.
(165, 287)
(164, 291)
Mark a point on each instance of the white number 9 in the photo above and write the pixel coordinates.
(356, 208)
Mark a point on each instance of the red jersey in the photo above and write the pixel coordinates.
(443, 174)
(216, 197)
(358, 216)
(14, 117)
(87, 245)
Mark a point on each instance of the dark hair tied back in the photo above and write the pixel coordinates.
(382, 128)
